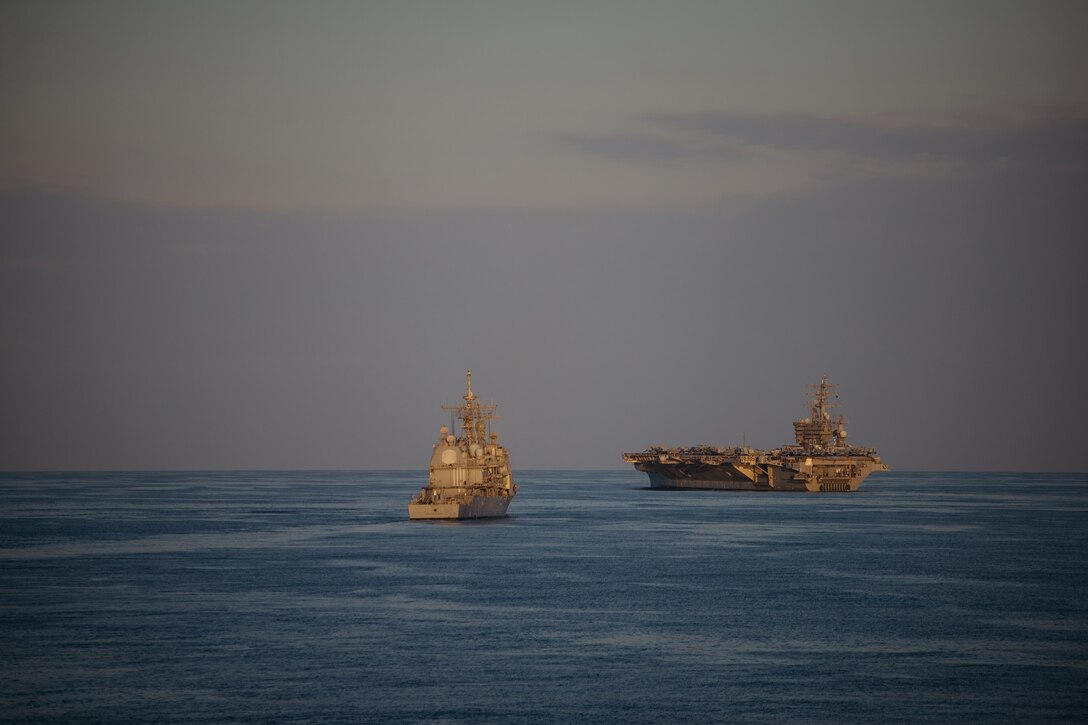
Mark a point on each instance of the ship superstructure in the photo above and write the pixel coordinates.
(470, 476)
(820, 460)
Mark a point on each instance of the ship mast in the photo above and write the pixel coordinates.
(474, 416)
(820, 393)
(817, 431)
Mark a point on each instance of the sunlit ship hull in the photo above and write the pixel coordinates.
(476, 507)
(469, 476)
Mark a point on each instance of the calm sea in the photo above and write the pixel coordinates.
(309, 597)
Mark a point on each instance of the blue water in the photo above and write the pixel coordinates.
(308, 597)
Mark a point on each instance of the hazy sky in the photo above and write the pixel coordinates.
(274, 235)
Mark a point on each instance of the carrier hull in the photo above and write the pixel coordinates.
(726, 477)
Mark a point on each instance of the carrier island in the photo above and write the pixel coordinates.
(470, 475)
(821, 459)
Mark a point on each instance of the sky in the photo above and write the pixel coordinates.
(274, 235)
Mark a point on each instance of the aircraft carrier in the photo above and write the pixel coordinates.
(821, 459)
(470, 476)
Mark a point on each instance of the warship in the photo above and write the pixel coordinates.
(821, 459)
(470, 475)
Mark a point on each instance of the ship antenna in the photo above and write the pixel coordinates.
(470, 412)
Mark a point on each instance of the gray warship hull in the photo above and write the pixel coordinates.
(469, 475)
(476, 507)
(820, 461)
(831, 475)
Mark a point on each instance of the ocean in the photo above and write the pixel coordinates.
(256, 597)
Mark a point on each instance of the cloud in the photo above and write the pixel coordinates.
(655, 149)
(1055, 141)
